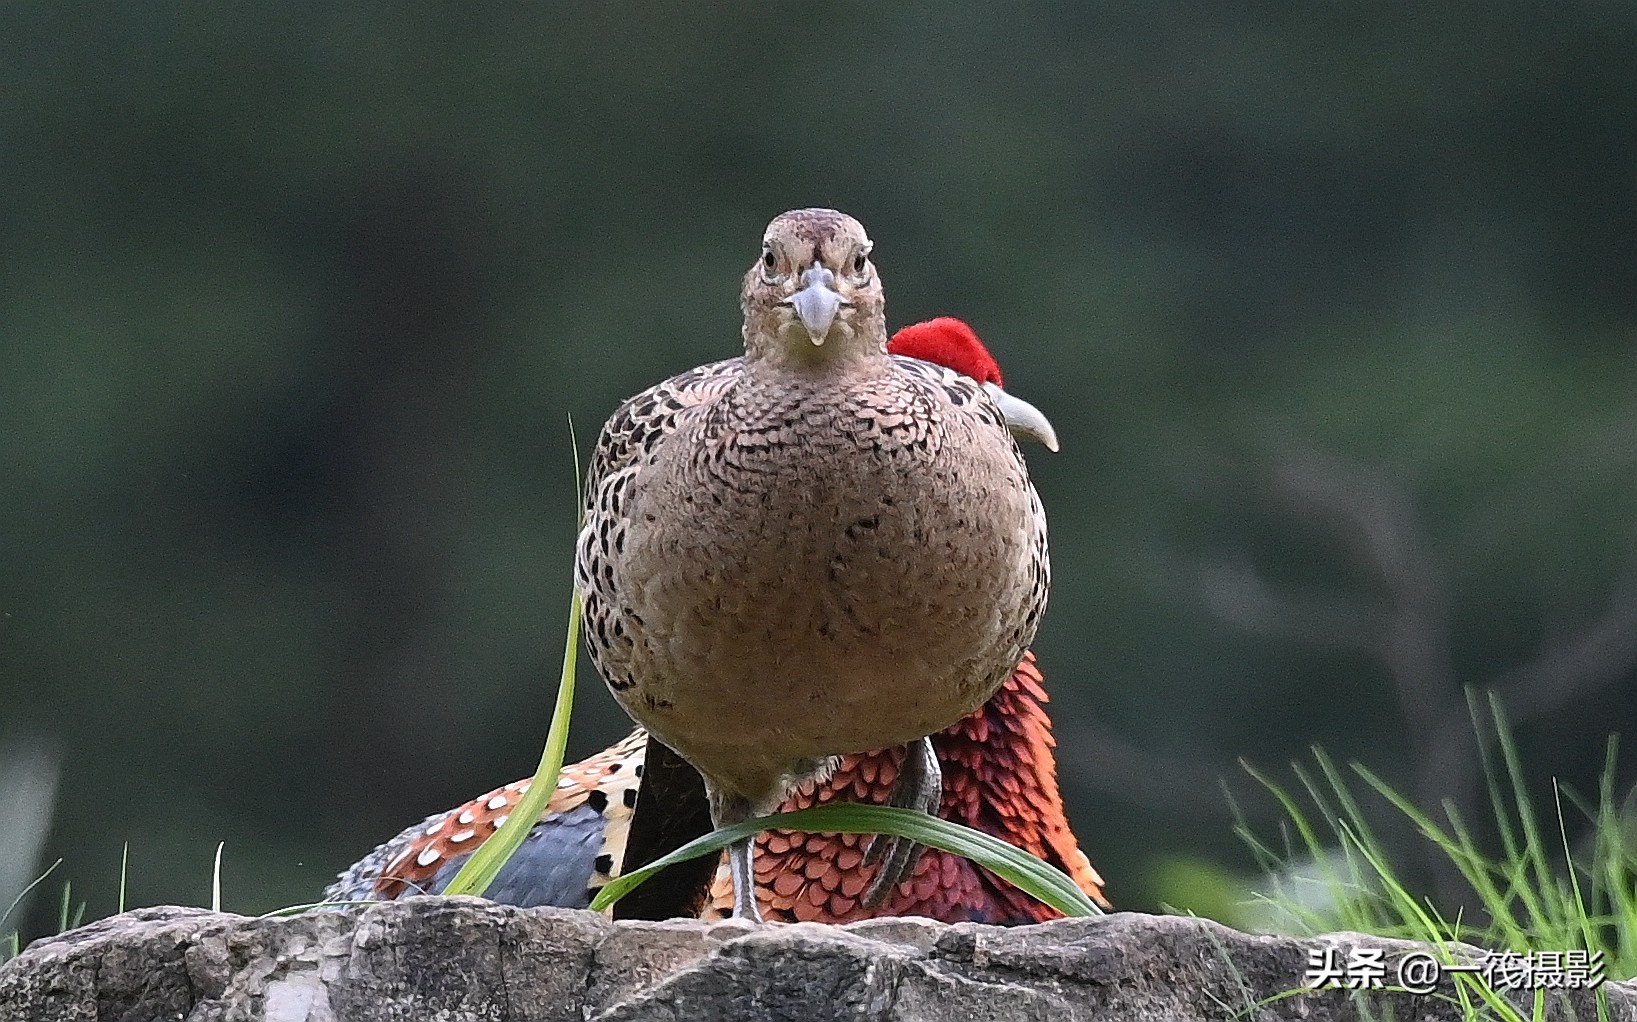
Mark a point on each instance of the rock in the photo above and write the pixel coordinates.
(460, 959)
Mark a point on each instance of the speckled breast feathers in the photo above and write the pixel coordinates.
(858, 522)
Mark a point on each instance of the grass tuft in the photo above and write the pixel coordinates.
(1328, 871)
(11, 942)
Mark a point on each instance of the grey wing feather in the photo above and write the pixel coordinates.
(553, 867)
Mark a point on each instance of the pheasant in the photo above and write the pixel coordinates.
(997, 764)
(762, 533)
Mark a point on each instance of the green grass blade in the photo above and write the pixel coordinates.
(1533, 890)
(1406, 903)
(574, 448)
(216, 880)
(1529, 901)
(1577, 913)
(1351, 811)
(1614, 867)
(1292, 810)
(1497, 798)
(485, 864)
(37, 881)
(296, 910)
(1314, 848)
(1027, 873)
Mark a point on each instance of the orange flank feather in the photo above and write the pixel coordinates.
(601, 781)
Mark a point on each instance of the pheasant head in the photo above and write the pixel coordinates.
(813, 296)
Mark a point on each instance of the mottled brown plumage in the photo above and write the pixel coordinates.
(763, 533)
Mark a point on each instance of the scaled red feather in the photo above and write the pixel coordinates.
(999, 777)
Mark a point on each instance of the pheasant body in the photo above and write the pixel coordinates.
(789, 521)
(828, 575)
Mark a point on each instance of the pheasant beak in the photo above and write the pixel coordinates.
(1024, 420)
(817, 302)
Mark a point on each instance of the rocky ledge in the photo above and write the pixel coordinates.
(458, 959)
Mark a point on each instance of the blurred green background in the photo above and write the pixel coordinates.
(1333, 305)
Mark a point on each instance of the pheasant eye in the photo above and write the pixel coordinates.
(768, 261)
(859, 262)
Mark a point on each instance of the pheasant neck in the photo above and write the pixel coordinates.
(786, 347)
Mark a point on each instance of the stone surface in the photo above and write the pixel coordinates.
(460, 959)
